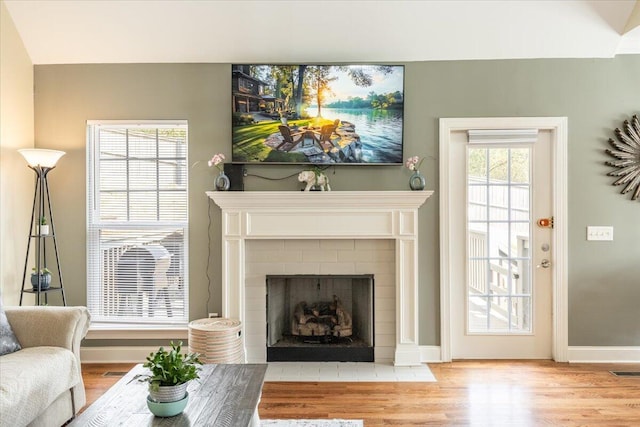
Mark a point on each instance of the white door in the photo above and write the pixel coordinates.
(501, 284)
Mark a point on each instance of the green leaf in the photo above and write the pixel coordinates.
(171, 367)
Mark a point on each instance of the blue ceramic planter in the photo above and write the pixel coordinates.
(167, 409)
(45, 281)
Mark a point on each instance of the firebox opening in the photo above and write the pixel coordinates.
(320, 318)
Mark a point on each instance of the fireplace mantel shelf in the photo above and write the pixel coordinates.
(320, 199)
(261, 215)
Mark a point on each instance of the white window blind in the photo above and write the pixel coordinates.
(137, 223)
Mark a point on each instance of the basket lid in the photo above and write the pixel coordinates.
(216, 324)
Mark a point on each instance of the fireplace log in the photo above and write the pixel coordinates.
(321, 318)
(310, 329)
(340, 332)
(299, 313)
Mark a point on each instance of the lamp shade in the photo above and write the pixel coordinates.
(41, 157)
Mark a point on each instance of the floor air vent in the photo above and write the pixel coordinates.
(625, 374)
(114, 374)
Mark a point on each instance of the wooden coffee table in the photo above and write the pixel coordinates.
(225, 395)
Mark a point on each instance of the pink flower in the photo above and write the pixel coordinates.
(216, 160)
(413, 163)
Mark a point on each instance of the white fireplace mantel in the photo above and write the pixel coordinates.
(326, 215)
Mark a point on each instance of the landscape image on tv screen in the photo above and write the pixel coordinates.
(317, 114)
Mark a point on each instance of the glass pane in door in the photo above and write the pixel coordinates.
(499, 292)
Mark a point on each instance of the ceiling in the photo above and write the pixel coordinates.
(212, 31)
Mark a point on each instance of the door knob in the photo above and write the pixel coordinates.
(545, 263)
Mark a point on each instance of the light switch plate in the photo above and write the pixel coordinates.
(599, 233)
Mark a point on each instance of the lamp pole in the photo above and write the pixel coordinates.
(41, 161)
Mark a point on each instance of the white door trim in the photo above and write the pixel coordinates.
(558, 127)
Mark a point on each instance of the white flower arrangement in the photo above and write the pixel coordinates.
(413, 163)
(217, 160)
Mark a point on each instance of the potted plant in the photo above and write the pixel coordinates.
(44, 277)
(170, 374)
(44, 226)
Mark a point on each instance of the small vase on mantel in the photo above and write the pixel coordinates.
(222, 182)
(417, 181)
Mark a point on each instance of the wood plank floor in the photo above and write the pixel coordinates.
(479, 393)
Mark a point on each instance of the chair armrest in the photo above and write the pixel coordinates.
(50, 326)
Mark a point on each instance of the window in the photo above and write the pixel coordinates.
(246, 85)
(498, 229)
(137, 223)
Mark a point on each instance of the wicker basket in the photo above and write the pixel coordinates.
(217, 340)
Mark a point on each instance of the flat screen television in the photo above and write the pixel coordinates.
(317, 114)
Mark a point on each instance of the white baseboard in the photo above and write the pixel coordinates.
(589, 354)
(430, 354)
(113, 354)
(130, 354)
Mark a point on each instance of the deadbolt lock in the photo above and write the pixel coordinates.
(545, 222)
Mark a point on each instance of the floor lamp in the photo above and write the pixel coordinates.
(42, 161)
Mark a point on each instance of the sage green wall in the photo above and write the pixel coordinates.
(596, 95)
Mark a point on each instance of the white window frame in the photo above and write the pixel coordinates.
(101, 326)
(488, 146)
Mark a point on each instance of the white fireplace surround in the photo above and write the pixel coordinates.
(289, 215)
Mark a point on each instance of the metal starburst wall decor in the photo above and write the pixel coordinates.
(627, 152)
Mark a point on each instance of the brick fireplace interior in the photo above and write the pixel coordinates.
(320, 318)
(272, 266)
